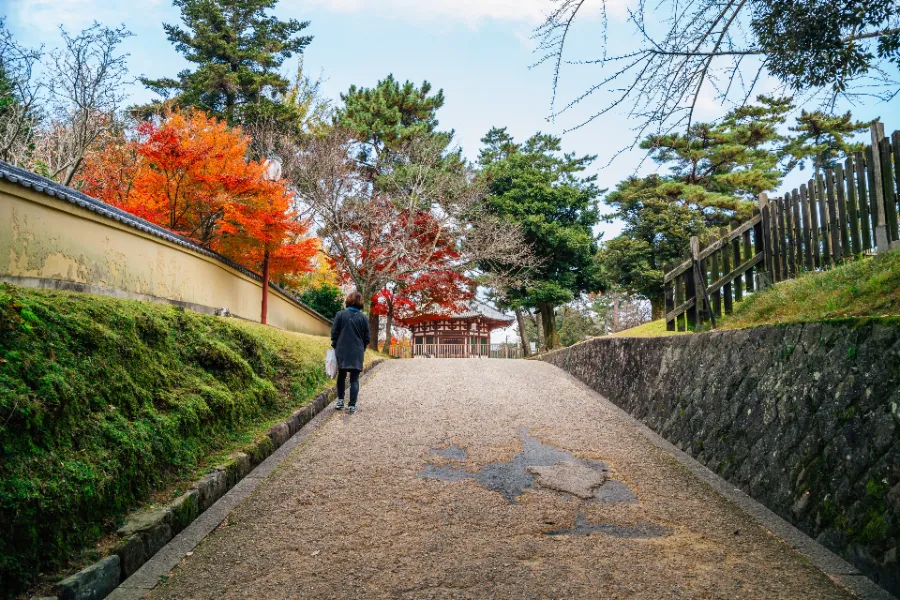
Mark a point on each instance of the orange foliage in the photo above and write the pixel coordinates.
(190, 174)
(266, 233)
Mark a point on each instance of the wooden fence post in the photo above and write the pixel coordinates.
(691, 286)
(669, 292)
(759, 245)
(764, 235)
(881, 236)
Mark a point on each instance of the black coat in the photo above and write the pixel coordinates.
(350, 338)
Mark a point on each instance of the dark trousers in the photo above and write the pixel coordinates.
(354, 384)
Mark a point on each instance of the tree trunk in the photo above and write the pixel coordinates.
(536, 319)
(523, 336)
(388, 324)
(265, 289)
(548, 320)
(658, 307)
(374, 326)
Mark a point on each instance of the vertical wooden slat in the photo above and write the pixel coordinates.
(776, 247)
(862, 197)
(716, 298)
(876, 189)
(726, 269)
(890, 201)
(815, 192)
(669, 292)
(702, 297)
(798, 230)
(782, 240)
(807, 235)
(691, 284)
(738, 260)
(843, 227)
(791, 256)
(834, 236)
(872, 196)
(679, 300)
(852, 207)
(823, 222)
(766, 233)
(759, 246)
(748, 276)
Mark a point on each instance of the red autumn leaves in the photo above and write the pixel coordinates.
(190, 174)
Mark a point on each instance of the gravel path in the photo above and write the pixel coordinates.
(474, 479)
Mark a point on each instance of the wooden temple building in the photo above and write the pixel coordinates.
(463, 334)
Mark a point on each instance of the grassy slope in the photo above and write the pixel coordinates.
(105, 402)
(864, 288)
(867, 287)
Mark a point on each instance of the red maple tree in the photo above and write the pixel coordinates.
(427, 280)
(266, 234)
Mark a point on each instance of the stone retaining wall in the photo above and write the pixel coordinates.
(804, 418)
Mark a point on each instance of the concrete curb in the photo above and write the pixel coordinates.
(154, 542)
(836, 568)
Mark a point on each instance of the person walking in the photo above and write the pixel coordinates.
(350, 338)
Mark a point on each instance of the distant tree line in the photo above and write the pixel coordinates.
(368, 191)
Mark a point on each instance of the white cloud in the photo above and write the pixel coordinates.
(48, 15)
(471, 12)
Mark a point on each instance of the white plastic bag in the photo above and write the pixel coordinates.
(331, 366)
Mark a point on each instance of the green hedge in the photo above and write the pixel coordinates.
(104, 401)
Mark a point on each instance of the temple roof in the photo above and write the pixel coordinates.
(473, 310)
(479, 309)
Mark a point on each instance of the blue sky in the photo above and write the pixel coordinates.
(478, 51)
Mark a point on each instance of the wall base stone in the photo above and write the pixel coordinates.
(92, 583)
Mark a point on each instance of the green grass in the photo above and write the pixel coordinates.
(105, 403)
(867, 287)
(648, 330)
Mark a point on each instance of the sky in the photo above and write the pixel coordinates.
(480, 52)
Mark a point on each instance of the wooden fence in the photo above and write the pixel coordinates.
(841, 213)
(509, 351)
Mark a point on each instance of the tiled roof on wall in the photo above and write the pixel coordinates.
(42, 185)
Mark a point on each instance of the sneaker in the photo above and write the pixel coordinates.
(351, 409)
(339, 405)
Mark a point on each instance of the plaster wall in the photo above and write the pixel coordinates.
(49, 242)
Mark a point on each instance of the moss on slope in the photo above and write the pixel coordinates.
(104, 402)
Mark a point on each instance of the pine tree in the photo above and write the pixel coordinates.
(716, 171)
(238, 50)
(387, 120)
(498, 145)
(387, 117)
(544, 190)
(822, 139)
